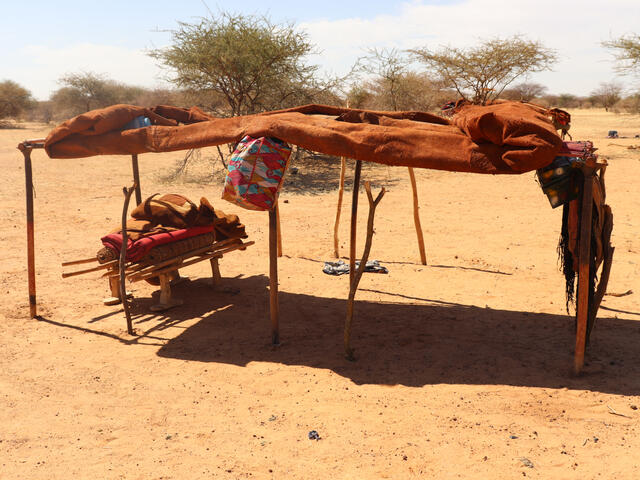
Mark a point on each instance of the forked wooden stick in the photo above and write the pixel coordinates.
(353, 287)
(123, 254)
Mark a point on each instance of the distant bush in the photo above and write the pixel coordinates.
(14, 99)
(629, 104)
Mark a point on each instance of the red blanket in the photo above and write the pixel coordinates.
(138, 249)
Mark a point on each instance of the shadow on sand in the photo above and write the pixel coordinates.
(427, 342)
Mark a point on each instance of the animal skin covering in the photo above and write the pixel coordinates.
(501, 138)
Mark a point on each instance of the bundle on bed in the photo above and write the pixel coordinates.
(170, 225)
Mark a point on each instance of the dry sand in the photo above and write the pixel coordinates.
(463, 366)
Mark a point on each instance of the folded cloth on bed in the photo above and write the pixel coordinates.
(137, 249)
(171, 212)
(169, 218)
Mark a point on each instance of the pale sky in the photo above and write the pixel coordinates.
(43, 40)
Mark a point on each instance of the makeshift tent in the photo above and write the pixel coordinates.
(501, 138)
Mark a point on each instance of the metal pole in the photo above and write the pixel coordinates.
(31, 266)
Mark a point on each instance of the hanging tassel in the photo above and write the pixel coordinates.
(565, 258)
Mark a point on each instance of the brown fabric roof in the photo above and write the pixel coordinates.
(506, 137)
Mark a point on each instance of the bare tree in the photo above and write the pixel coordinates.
(84, 91)
(525, 91)
(484, 71)
(388, 66)
(391, 84)
(627, 51)
(607, 94)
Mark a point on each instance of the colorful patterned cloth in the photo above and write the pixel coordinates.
(255, 172)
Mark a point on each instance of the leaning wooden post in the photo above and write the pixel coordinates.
(31, 265)
(123, 255)
(277, 209)
(353, 285)
(136, 178)
(582, 308)
(416, 217)
(336, 244)
(354, 220)
(273, 277)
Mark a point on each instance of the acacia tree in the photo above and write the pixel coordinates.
(84, 91)
(249, 61)
(81, 92)
(607, 94)
(481, 73)
(14, 99)
(627, 51)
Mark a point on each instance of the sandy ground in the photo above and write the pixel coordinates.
(463, 366)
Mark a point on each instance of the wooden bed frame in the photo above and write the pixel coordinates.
(167, 271)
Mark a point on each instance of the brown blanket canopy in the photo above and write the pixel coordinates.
(505, 137)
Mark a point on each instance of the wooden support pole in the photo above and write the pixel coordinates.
(582, 308)
(353, 285)
(354, 220)
(166, 300)
(114, 287)
(136, 178)
(165, 289)
(416, 217)
(336, 243)
(273, 278)
(31, 265)
(216, 278)
(277, 208)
